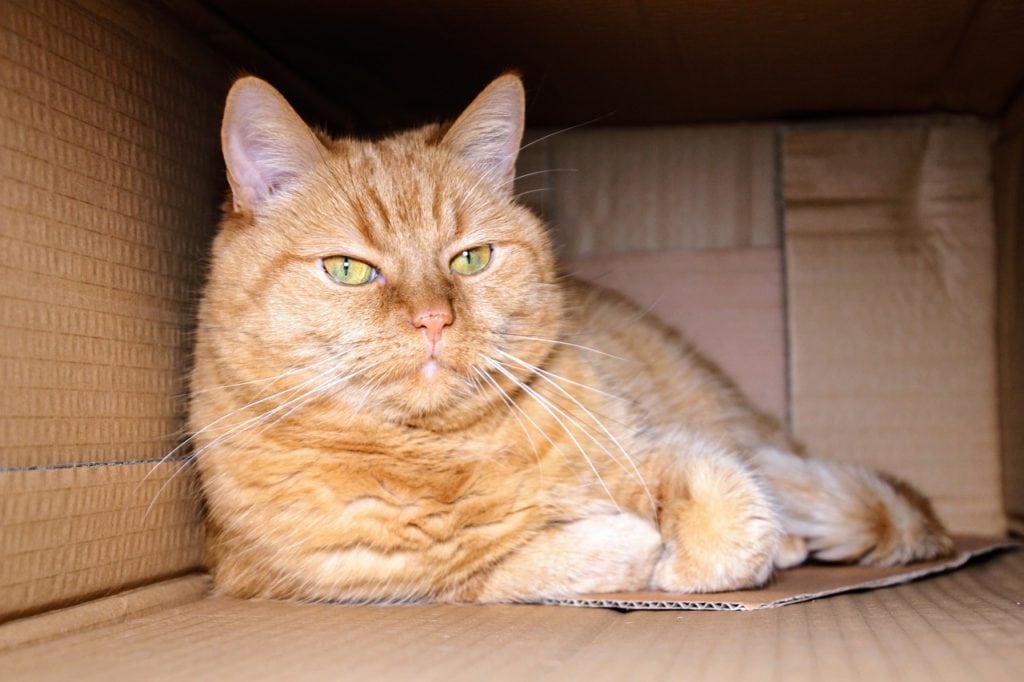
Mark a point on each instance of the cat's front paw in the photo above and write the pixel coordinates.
(613, 552)
(617, 553)
(721, 530)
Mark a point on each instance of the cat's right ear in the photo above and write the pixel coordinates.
(266, 144)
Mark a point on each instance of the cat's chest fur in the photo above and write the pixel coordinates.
(391, 503)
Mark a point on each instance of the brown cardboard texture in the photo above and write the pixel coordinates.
(842, 273)
(610, 190)
(964, 625)
(890, 291)
(109, 181)
(75, 533)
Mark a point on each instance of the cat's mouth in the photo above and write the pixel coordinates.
(430, 369)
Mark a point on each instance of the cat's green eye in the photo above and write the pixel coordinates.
(472, 261)
(347, 270)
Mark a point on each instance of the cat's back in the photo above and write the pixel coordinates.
(637, 357)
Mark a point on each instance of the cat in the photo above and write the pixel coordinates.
(397, 397)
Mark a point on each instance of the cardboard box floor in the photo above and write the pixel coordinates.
(964, 625)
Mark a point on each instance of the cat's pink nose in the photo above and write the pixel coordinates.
(432, 320)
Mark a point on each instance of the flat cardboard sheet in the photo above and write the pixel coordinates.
(794, 585)
(966, 625)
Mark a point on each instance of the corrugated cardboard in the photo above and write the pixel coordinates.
(72, 533)
(889, 248)
(109, 180)
(728, 302)
(104, 611)
(967, 625)
(1008, 179)
(612, 190)
(108, 184)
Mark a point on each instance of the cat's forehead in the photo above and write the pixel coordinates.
(398, 190)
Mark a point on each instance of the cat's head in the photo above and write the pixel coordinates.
(387, 275)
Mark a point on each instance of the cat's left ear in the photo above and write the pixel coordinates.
(488, 133)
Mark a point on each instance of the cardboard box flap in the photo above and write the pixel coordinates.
(794, 585)
(890, 298)
(644, 63)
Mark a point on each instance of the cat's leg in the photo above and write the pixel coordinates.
(718, 520)
(848, 513)
(601, 553)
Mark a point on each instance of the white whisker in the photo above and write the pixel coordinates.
(551, 410)
(295, 369)
(230, 414)
(542, 374)
(531, 191)
(546, 170)
(566, 343)
(563, 130)
(548, 373)
(581, 426)
(512, 407)
(291, 405)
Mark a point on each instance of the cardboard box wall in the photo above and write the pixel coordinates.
(110, 181)
(110, 175)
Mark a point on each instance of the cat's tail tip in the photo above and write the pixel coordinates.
(850, 514)
(905, 526)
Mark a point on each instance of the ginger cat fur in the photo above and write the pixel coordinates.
(378, 418)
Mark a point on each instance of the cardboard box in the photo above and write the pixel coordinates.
(860, 277)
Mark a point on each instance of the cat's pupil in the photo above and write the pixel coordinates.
(344, 267)
(467, 256)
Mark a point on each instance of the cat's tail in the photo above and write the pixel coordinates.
(841, 512)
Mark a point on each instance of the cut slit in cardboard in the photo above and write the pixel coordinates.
(803, 583)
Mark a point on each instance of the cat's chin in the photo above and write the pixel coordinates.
(433, 396)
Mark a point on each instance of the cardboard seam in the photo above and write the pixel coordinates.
(90, 465)
(104, 611)
(779, 196)
(953, 59)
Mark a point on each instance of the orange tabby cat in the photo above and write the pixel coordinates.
(397, 397)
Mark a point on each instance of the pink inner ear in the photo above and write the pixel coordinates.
(248, 184)
(490, 130)
(266, 145)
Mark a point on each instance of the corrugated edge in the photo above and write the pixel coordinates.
(105, 611)
(648, 605)
(670, 604)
